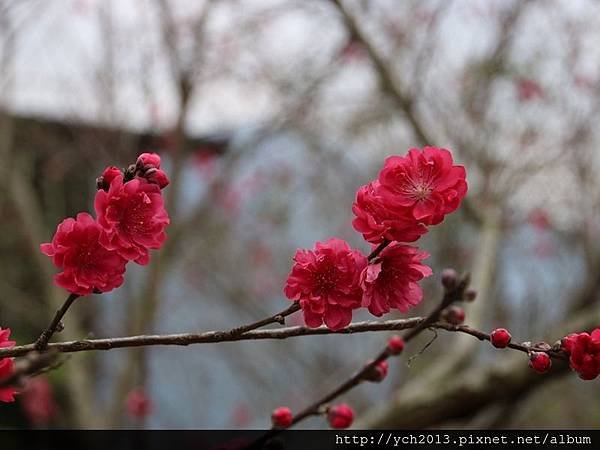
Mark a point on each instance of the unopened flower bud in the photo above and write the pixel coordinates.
(109, 174)
(500, 338)
(147, 161)
(282, 417)
(157, 176)
(378, 372)
(395, 345)
(340, 416)
(454, 315)
(449, 278)
(129, 173)
(540, 362)
(470, 295)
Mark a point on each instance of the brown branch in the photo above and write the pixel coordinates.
(431, 321)
(210, 337)
(275, 318)
(404, 102)
(476, 389)
(450, 295)
(482, 336)
(378, 250)
(42, 341)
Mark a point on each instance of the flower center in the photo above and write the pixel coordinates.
(136, 220)
(418, 188)
(86, 256)
(326, 280)
(421, 192)
(391, 272)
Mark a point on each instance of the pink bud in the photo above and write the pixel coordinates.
(500, 338)
(449, 278)
(378, 372)
(395, 345)
(109, 174)
(157, 176)
(282, 417)
(470, 295)
(540, 362)
(454, 315)
(382, 369)
(147, 161)
(340, 416)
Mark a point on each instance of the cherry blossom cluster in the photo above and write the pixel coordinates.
(411, 193)
(130, 220)
(582, 349)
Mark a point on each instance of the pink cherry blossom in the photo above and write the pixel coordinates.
(325, 282)
(377, 219)
(87, 266)
(424, 182)
(391, 280)
(133, 218)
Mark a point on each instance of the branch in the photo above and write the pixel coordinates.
(209, 337)
(275, 318)
(466, 396)
(404, 102)
(474, 390)
(431, 321)
(212, 337)
(42, 341)
(378, 250)
(450, 295)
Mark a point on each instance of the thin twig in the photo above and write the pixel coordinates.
(354, 380)
(450, 296)
(319, 406)
(275, 318)
(425, 347)
(378, 250)
(42, 341)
